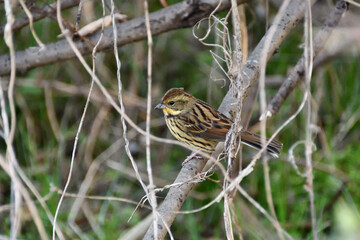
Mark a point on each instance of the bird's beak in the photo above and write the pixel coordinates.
(160, 106)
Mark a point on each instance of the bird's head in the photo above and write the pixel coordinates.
(176, 101)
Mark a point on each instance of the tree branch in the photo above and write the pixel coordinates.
(180, 15)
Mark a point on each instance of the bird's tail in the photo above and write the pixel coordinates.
(253, 140)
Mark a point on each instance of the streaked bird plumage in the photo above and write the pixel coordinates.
(198, 124)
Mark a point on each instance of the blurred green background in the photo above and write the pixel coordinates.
(50, 101)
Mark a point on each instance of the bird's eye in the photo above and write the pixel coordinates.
(171, 103)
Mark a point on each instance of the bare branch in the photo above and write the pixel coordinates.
(180, 15)
(309, 57)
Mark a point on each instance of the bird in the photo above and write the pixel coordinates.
(198, 124)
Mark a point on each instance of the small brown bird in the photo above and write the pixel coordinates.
(198, 124)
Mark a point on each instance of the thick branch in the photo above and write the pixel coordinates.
(297, 73)
(180, 15)
(176, 196)
(37, 14)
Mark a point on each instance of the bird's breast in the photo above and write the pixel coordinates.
(180, 132)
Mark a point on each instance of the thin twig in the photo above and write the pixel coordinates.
(234, 136)
(262, 94)
(9, 131)
(91, 197)
(29, 15)
(95, 131)
(235, 220)
(50, 112)
(60, 22)
(78, 15)
(75, 207)
(262, 210)
(308, 56)
(151, 187)
(7, 207)
(118, 76)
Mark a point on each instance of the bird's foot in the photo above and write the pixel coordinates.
(193, 155)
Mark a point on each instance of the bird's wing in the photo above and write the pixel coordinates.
(204, 121)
